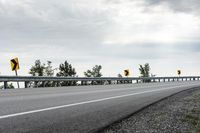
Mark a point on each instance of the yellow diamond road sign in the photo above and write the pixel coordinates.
(14, 64)
(126, 72)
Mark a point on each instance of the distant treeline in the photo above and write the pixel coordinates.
(64, 70)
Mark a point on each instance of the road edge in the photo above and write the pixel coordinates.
(128, 116)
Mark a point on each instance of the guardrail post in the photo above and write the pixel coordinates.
(25, 84)
(101, 82)
(44, 83)
(57, 83)
(5, 84)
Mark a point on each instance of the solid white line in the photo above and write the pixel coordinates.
(81, 103)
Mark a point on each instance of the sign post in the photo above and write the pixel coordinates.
(15, 66)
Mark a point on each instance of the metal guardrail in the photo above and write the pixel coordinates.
(84, 80)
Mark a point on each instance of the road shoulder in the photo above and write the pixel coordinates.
(177, 113)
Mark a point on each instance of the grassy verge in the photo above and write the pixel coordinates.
(193, 115)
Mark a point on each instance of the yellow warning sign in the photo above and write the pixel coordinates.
(179, 72)
(126, 72)
(14, 64)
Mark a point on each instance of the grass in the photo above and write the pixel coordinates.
(193, 119)
(193, 116)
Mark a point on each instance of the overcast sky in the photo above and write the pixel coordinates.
(117, 34)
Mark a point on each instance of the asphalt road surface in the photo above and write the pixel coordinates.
(78, 109)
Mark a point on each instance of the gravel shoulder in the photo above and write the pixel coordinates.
(179, 113)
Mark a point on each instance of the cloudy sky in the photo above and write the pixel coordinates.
(118, 34)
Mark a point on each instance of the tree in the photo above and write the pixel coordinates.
(95, 72)
(10, 86)
(37, 70)
(49, 69)
(40, 69)
(120, 76)
(66, 70)
(145, 72)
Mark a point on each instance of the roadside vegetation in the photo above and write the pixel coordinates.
(192, 117)
(145, 72)
(66, 69)
(9, 86)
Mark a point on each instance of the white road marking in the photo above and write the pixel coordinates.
(86, 102)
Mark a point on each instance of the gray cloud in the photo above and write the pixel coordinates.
(38, 21)
(65, 29)
(188, 6)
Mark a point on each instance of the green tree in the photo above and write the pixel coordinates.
(49, 71)
(38, 69)
(95, 72)
(145, 71)
(66, 70)
(10, 86)
(120, 76)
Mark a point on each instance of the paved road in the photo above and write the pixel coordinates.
(78, 109)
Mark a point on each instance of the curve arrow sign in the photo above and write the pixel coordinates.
(14, 64)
